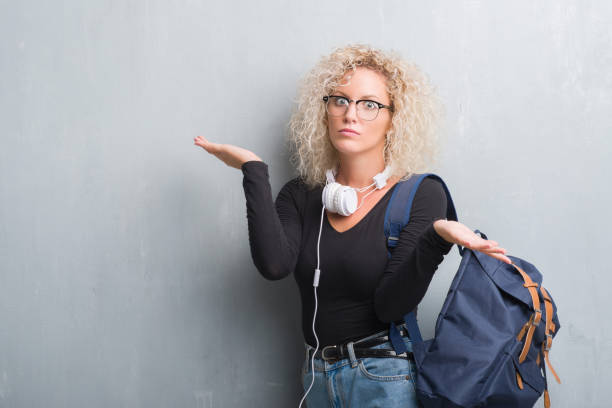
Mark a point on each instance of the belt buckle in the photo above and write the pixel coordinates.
(323, 352)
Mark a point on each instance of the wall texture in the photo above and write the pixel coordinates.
(125, 273)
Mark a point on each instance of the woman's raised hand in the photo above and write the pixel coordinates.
(457, 233)
(231, 155)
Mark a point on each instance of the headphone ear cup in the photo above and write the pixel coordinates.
(326, 194)
(339, 199)
(326, 197)
(346, 200)
(330, 194)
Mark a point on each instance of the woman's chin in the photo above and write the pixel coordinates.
(348, 147)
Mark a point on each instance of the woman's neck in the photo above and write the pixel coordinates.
(358, 171)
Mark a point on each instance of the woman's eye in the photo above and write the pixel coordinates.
(370, 105)
(341, 101)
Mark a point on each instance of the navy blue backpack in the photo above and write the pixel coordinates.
(493, 334)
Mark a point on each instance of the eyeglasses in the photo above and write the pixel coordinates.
(366, 109)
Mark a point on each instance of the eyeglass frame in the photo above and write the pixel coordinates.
(380, 105)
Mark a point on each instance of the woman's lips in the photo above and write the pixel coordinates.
(349, 132)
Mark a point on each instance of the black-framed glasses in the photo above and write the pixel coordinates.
(336, 105)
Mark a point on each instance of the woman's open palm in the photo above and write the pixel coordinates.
(233, 156)
(457, 233)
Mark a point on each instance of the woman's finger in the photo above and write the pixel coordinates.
(502, 258)
(481, 243)
(200, 141)
(496, 249)
(209, 146)
(477, 243)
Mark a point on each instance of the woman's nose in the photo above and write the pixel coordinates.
(351, 112)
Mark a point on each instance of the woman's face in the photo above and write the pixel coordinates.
(364, 84)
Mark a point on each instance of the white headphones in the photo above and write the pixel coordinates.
(343, 199)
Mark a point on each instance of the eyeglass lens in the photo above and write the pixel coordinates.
(338, 105)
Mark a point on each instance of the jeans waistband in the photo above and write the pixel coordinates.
(350, 345)
(401, 327)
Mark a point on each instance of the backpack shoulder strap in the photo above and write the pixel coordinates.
(396, 218)
(400, 204)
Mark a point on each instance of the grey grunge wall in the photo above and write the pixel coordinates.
(125, 273)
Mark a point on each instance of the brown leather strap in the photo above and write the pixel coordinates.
(552, 370)
(521, 334)
(519, 380)
(529, 327)
(547, 343)
(537, 316)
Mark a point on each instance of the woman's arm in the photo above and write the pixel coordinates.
(422, 244)
(416, 257)
(275, 228)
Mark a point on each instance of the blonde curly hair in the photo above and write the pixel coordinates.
(411, 140)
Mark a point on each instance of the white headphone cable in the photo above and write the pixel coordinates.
(315, 284)
(364, 197)
(362, 189)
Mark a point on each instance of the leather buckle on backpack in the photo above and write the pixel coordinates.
(537, 317)
(547, 344)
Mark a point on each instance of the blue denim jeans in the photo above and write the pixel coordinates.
(360, 382)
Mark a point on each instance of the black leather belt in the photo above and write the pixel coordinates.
(362, 349)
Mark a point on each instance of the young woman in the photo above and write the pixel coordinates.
(369, 117)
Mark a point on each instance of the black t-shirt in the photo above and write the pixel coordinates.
(360, 290)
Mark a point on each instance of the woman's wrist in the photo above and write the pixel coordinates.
(251, 160)
(438, 225)
(432, 239)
